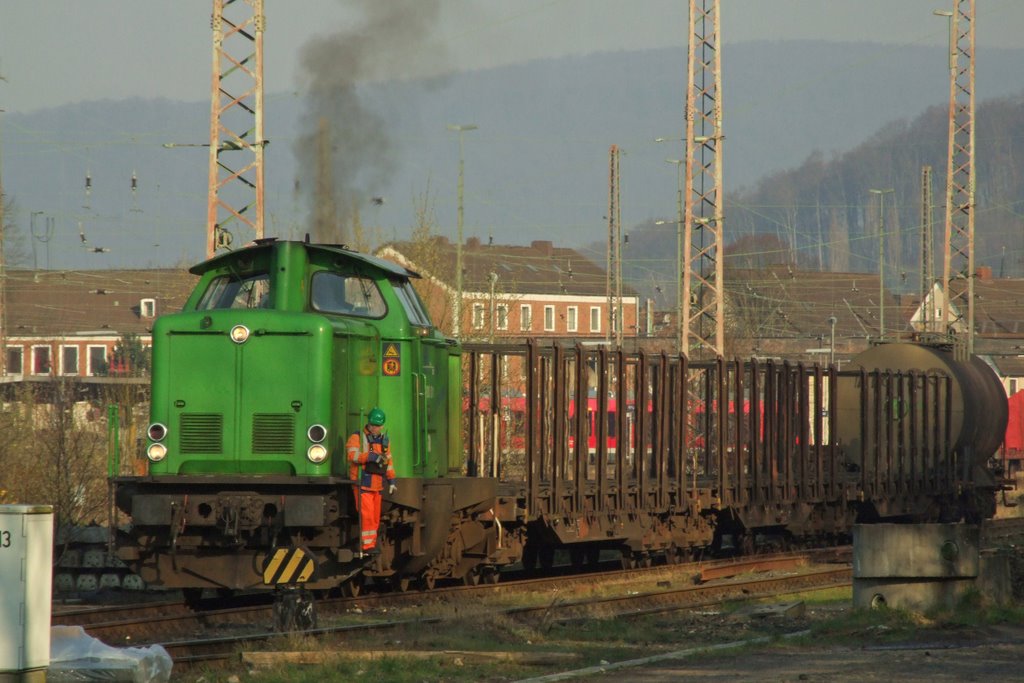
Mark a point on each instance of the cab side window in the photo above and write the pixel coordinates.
(347, 295)
(228, 291)
(411, 302)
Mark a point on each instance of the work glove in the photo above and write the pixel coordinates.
(391, 489)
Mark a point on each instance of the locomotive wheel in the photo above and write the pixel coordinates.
(192, 596)
(672, 554)
(352, 589)
(429, 581)
(472, 577)
(490, 575)
(529, 557)
(402, 583)
(547, 557)
(747, 544)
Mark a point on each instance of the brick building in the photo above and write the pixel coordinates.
(67, 323)
(785, 312)
(517, 291)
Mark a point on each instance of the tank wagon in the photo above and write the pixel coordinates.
(936, 421)
(511, 453)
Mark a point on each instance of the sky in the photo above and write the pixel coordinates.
(123, 49)
(61, 52)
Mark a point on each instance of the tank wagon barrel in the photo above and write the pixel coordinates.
(978, 407)
(937, 422)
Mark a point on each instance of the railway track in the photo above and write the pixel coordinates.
(193, 637)
(216, 634)
(123, 621)
(224, 649)
(996, 532)
(116, 624)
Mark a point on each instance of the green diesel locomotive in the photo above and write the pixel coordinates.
(280, 353)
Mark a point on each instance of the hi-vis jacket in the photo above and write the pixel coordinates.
(360, 447)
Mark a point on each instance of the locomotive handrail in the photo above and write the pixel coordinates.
(419, 419)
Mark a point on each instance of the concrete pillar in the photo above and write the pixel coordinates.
(922, 566)
(26, 552)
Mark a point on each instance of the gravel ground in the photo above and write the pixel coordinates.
(990, 656)
(933, 651)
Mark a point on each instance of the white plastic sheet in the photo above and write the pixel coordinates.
(77, 656)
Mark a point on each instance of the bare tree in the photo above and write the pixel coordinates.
(17, 461)
(429, 257)
(749, 316)
(68, 465)
(15, 252)
(128, 405)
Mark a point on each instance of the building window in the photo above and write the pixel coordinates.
(549, 318)
(595, 318)
(502, 316)
(525, 317)
(14, 358)
(69, 360)
(570, 319)
(478, 316)
(147, 308)
(40, 360)
(97, 360)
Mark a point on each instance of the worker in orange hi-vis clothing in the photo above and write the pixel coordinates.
(370, 451)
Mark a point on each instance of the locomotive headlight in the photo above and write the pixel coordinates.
(317, 453)
(156, 452)
(239, 333)
(156, 432)
(317, 433)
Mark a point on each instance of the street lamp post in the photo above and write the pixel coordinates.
(679, 164)
(881, 257)
(832, 320)
(493, 279)
(680, 332)
(43, 237)
(460, 129)
(951, 19)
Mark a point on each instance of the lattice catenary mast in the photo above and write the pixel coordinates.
(235, 200)
(703, 306)
(958, 263)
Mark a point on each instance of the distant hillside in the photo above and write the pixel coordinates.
(535, 169)
(822, 215)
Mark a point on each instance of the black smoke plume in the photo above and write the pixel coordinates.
(343, 151)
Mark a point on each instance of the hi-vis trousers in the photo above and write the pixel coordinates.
(369, 516)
